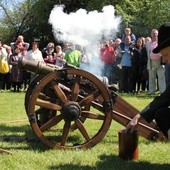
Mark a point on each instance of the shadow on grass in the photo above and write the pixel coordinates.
(24, 134)
(21, 134)
(111, 162)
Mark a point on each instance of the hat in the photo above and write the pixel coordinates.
(163, 37)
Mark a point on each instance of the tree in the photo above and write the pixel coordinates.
(30, 18)
(151, 15)
(141, 15)
(41, 28)
(15, 20)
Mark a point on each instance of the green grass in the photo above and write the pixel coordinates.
(31, 155)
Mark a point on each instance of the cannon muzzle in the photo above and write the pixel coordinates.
(36, 67)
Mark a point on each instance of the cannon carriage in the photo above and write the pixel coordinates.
(70, 108)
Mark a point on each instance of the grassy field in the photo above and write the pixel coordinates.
(32, 154)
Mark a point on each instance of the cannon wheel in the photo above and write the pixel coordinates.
(30, 89)
(71, 93)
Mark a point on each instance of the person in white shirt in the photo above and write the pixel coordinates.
(34, 55)
(154, 65)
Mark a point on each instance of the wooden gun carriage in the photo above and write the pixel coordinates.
(71, 108)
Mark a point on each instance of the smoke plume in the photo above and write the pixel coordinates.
(86, 29)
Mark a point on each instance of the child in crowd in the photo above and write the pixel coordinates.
(16, 75)
(60, 61)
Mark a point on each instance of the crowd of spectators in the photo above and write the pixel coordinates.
(130, 63)
(127, 61)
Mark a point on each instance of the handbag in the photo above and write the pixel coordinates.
(4, 67)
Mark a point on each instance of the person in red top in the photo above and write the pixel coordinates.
(108, 57)
(50, 59)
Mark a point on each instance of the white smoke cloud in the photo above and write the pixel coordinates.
(84, 28)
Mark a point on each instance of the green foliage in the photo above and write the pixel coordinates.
(40, 28)
(95, 5)
(141, 16)
(30, 18)
(151, 15)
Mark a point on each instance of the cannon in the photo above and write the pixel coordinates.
(69, 108)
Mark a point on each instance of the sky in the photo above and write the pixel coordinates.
(9, 3)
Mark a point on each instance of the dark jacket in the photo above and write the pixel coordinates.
(162, 101)
(139, 60)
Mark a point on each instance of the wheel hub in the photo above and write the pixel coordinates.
(71, 111)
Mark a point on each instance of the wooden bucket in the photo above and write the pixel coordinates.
(128, 145)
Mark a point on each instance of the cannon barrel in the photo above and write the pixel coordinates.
(45, 68)
(36, 67)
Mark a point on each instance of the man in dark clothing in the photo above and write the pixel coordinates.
(158, 109)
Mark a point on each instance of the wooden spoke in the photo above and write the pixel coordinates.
(43, 97)
(82, 129)
(65, 133)
(87, 100)
(52, 122)
(75, 89)
(48, 105)
(91, 115)
(74, 126)
(63, 87)
(59, 92)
